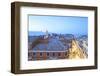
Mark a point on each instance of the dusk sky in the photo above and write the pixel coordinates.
(59, 24)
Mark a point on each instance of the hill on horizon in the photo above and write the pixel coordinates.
(38, 33)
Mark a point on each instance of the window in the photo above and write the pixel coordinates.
(65, 53)
(53, 54)
(40, 54)
(47, 54)
(34, 54)
(59, 54)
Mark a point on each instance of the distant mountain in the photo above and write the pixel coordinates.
(69, 35)
(83, 37)
(38, 33)
(35, 33)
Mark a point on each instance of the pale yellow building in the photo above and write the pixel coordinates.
(75, 52)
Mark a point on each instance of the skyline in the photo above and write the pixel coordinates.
(59, 24)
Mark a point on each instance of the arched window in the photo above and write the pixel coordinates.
(59, 54)
(34, 54)
(47, 54)
(40, 54)
(53, 54)
(65, 53)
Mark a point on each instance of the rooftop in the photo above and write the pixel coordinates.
(52, 45)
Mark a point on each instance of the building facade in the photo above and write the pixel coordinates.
(43, 55)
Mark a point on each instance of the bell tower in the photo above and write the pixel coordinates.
(46, 34)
